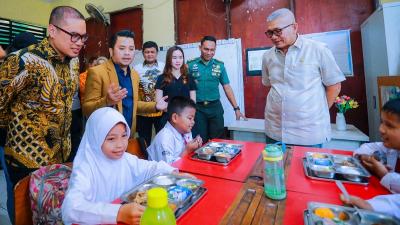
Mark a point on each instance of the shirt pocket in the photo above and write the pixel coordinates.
(307, 69)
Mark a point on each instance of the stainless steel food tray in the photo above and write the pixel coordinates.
(356, 216)
(337, 176)
(213, 159)
(181, 207)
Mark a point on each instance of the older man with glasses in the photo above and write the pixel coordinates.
(304, 80)
(36, 89)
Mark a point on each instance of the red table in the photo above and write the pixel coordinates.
(297, 181)
(237, 170)
(296, 203)
(212, 207)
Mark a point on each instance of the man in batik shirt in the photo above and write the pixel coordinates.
(36, 89)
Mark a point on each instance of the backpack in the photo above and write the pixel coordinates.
(47, 188)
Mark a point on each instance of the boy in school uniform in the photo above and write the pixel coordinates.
(388, 172)
(175, 139)
(382, 158)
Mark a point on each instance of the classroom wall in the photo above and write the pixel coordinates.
(23, 11)
(248, 23)
(197, 18)
(158, 15)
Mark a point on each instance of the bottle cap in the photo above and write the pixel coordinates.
(157, 197)
(272, 152)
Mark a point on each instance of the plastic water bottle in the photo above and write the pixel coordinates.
(274, 174)
(157, 212)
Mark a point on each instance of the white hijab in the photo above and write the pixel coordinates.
(109, 177)
(97, 180)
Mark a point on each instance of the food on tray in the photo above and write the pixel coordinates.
(327, 213)
(323, 162)
(325, 169)
(187, 183)
(205, 153)
(214, 144)
(231, 151)
(319, 156)
(139, 197)
(222, 156)
(343, 216)
(324, 213)
(164, 180)
(178, 193)
(207, 150)
(348, 163)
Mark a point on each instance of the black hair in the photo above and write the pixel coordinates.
(121, 33)
(59, 13)
(392, 106)
(168, 76)
(20, 41)
(92, 59)
(150, 44)
(208, 38)
(177, 104)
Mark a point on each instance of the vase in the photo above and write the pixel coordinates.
(340, 121)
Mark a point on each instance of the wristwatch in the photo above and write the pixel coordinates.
(236, 108)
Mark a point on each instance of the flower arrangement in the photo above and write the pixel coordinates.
(344, 103)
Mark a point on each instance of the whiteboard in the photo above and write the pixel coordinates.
(230, 52)
(339, 43)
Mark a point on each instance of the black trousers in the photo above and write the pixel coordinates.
(17, 173)
(144, 126)
(76, 132)
(209, 120)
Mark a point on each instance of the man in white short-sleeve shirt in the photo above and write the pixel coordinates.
(304, 80)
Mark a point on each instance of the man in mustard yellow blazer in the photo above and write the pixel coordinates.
(115, 84)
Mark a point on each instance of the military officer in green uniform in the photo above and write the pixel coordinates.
(208, 74)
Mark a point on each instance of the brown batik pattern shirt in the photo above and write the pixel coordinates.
(36, 89)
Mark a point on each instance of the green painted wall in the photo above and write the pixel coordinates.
(158, 15)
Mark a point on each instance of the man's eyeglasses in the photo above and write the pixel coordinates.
(277, 31)
(75, 37)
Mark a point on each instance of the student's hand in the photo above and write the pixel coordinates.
(130, 213)
(115, 94)
(356, 201)
(239, 115)
(199, 140)
(161, 104)
(194, 144)
(374, 166)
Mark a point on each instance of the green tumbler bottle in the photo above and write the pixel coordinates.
(157, 212)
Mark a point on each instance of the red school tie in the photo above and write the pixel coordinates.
(397, 168)
(184, 139)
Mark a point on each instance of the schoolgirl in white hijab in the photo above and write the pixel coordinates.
(103, 171)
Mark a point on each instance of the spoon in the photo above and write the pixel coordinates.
(346, 195)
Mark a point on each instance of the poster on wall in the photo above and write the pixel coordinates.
(337, 41)
(254, 60)
(230, 52)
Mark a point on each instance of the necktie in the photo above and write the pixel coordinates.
(184, 139)
(397, 168)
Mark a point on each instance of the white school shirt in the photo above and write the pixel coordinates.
(391, 180)
(96, 180)
(296, 110)
(389, 204)
(168, 144)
